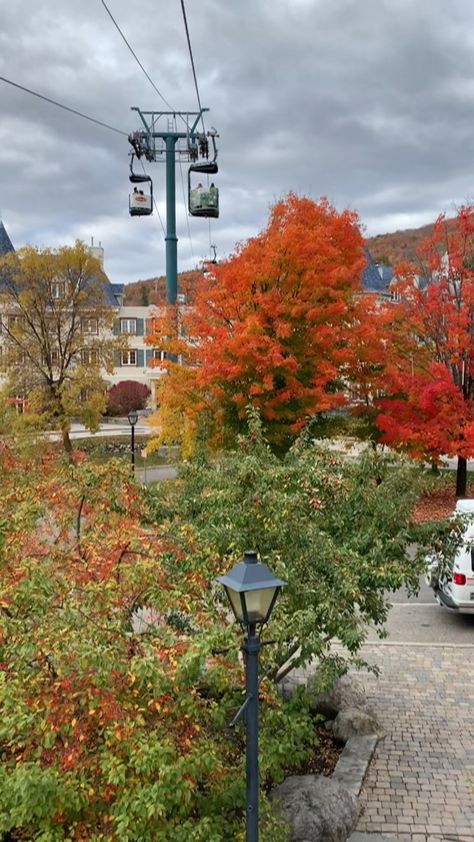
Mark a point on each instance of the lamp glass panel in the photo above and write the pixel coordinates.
(236, 602)
(258, 604)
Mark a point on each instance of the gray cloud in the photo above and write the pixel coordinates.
(366, 101)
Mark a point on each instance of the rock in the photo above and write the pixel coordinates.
(146, 619)
(354, 722)
(346, 692)
(316, 808)
(288, 685)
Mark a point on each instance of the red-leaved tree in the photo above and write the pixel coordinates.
(429, 384)
(269, 327)
(127, 395)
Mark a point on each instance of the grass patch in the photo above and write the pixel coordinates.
(103, 448)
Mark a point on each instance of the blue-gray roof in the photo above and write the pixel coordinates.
(372, 280)
(386, 272)
(5, 242)
(112, 291)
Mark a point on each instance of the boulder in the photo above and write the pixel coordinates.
(354, 722)
(288, 685)
(346, 692)
(316, 808)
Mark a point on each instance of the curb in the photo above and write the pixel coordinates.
(350, 771)
(354, 761)
(370, 837)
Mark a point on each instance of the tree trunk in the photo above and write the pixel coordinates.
(461, 477)
(67, 445)
(434, 466)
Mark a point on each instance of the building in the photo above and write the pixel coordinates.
(138, 361)
(377, 279)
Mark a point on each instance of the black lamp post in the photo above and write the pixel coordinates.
(132, 420)
(252, 590)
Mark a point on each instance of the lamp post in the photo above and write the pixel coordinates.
(252, 590)
(132, 420)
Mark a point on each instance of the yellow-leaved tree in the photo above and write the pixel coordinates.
(56, 341)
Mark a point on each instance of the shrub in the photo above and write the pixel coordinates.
(119, 669)
(113, 728)
(130, 394)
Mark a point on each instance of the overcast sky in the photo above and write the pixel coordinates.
(369, 102)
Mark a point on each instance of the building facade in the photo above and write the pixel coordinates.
(136, 361)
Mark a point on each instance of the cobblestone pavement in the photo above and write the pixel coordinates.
(420, 784)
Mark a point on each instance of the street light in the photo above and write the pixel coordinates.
(132, 420)
(252, 591)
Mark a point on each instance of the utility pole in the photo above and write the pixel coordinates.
(170, 145)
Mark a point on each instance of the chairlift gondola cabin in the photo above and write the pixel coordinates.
(140, 203)
(203, 201)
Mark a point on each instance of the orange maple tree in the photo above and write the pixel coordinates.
(429, 408)
(268, 327)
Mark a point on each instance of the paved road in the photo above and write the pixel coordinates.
(156, 473)
(78, 431)
(419, 620)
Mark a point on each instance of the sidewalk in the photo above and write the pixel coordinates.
(420, 785)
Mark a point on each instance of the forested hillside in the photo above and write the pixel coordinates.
(397, 247)
(400, 246)
(153, 290)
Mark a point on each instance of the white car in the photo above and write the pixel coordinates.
(454, 588)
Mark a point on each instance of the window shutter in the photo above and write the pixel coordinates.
(149, 356)
(140, 357)
(140, 327)
(116, 327)
(117, 359)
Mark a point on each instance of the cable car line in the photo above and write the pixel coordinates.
(135, 55)
(192, 63)
(154, 201)
(184, 200)
(64, 107)
(186, 209)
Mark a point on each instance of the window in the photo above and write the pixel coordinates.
(57, 290)
(17, 356)
(15, 322)
(55, 357)
(158, 355)
(128, 357)
(90, 326)
(128, 326)
(89, 356)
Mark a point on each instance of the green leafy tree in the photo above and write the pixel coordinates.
(337, 531)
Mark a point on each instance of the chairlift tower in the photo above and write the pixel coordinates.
(159, 142)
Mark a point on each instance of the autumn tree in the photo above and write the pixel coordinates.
(56, 332)
(269, 326)
(429, 408)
